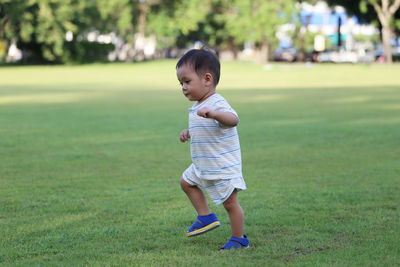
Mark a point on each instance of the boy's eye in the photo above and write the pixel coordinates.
(187, 82)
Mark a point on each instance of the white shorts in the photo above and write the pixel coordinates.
(218, 190)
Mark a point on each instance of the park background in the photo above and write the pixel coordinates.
(90, 158)
(70, 31)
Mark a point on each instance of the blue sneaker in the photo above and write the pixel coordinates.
(235, 242)
(203, 224)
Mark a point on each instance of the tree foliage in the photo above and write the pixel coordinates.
(257, 20)
(43, 22)
(40, 26)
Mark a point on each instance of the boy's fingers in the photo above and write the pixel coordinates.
(184, 136)
(204, 112)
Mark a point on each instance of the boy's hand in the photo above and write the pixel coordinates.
(225, 118)
(184, 136)
(206, 113)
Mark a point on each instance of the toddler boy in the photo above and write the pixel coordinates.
(214, 146)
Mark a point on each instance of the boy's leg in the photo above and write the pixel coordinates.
(236, 214)
(196, 196)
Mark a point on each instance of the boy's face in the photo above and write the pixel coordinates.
(195, 87)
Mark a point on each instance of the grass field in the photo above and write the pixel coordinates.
(90, 163)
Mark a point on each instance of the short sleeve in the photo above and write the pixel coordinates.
(223, 106)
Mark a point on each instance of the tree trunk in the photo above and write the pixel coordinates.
(301, 34)
(386, 13)
(265, 52)
(3, 39)
(4, 45)
(232, 47)
(262, 55)
(387, 48)
(143, 8)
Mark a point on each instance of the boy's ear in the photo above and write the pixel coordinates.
(208, 78)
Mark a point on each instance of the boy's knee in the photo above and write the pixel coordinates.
(232, 202)
(229, 204)
(184, 185)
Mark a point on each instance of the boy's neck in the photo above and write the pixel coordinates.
(206, 96)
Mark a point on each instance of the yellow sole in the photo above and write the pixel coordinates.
(209, 227)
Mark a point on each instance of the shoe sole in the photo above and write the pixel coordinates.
(207, 228)
(223, 249)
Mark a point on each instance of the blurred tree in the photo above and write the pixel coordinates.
(189, 13)
(171, 20)
(220, 23)
(256, 21)
(118, 16)
(40, 26)
(162, 23)
(210, 26)
(303, 39)
(13, 16)
(387, 13)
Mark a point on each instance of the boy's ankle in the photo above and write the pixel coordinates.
(204, 214)
(207, 219)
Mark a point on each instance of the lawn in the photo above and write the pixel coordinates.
(90, 163)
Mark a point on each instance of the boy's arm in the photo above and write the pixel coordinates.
(225, 118)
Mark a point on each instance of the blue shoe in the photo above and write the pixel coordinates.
(203, 224)
(235, 243)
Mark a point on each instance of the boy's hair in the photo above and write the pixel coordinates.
(202, 61)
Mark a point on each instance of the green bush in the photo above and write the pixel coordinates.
(86, 52)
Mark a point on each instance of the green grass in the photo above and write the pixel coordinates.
(90, 164)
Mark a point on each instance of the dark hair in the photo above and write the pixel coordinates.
(202, 61)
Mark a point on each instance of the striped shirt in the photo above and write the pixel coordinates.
(215, 148)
